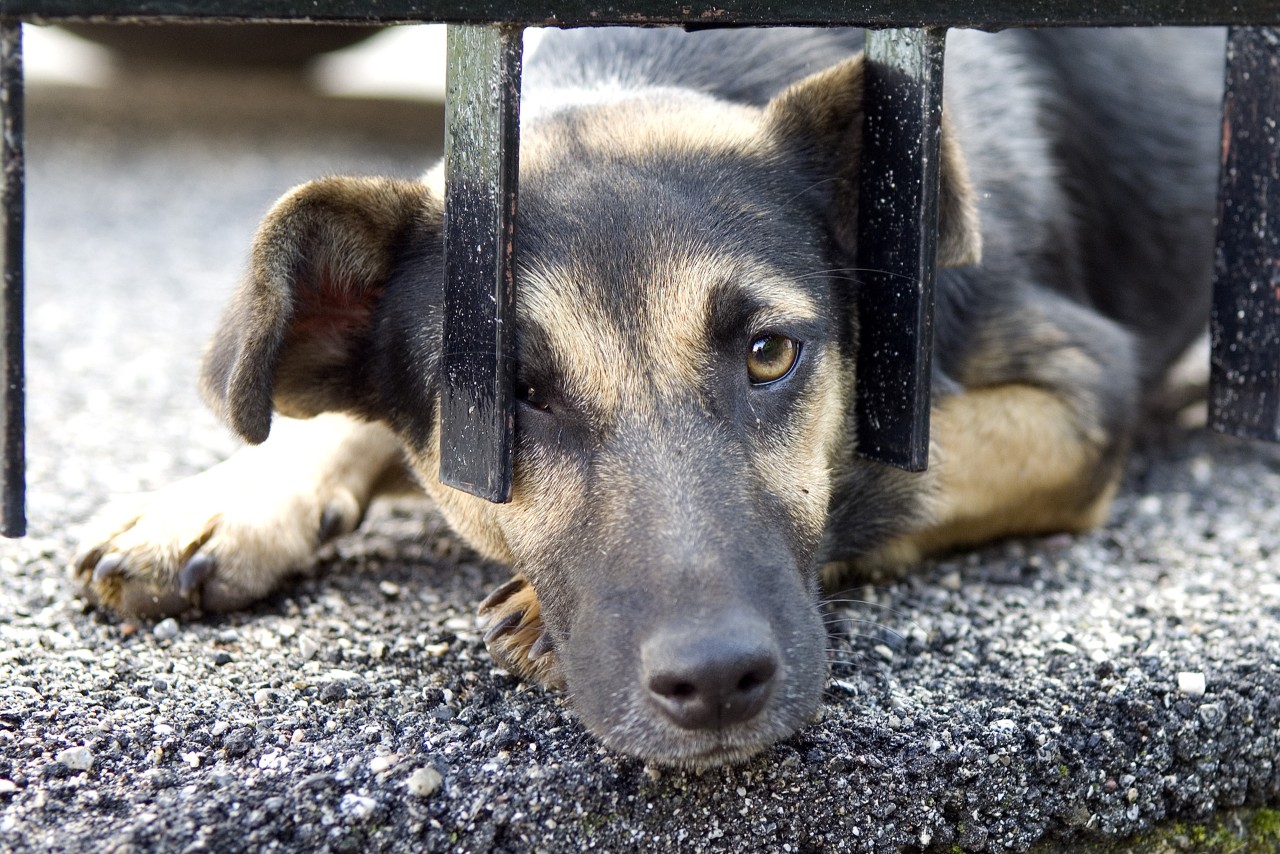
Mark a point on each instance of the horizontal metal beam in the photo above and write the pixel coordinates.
(982, 14)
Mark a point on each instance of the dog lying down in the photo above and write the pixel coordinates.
(685, 474)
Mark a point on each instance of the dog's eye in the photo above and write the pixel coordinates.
(771, 358)
(531, 396)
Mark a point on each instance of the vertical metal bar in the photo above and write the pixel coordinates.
(13, 481)
(1244, 380)
(897, 242)
(482, 118)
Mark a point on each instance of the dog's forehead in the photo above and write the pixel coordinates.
(640, 223)
(637, 125)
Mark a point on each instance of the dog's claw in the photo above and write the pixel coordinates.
(194, 573)
(502, 594)
(110, 565)
(543, 645)
(330, 524)
(508, 623)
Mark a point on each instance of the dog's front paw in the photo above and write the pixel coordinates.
(217, 541)
(512, 621)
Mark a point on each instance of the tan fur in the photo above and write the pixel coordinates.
(643, 127)
(602, 364)
(257, 515)
(797, 466)
(514, 647)
(1007, 461)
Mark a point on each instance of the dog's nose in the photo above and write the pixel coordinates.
(711, 679)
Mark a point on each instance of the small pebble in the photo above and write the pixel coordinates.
(166, 629)
(951, 581)
(8, 787)
(381, 763)
(220, 658)
(389, 589)
(1191, 684)
(332, 692)
(424, 782)
(76, 758)
(377, 650)
(307, 648)
(357, 806)
(1202, 470)
(1150, 505)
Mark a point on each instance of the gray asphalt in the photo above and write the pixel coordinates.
(1054, 691)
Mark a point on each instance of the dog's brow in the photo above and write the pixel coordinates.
(779, 301)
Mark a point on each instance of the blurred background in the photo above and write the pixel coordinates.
(351, 61)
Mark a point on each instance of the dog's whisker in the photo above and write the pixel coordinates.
(832, 273)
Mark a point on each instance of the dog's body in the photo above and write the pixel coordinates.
(686, 345)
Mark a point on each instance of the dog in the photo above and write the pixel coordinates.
(685, 474)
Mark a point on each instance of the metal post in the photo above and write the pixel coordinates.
(897, 241)
(1244, 391)
(482, 118)
(13, 483)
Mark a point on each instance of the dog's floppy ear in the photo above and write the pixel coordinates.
(319, 262)
(822, 114)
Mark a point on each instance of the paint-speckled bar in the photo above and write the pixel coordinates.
(897, 239)
(1244, 395)
(13, 489)
(482, 151)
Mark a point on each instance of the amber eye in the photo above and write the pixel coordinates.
(771, 358)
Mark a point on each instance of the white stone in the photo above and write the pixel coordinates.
(76, 758)
(1191, 684)
(424, 782)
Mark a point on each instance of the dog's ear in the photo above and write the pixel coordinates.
(290, 338)
(822, 115)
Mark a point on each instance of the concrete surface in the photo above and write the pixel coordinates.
(1054, 692)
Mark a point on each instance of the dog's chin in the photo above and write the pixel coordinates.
(632, 726)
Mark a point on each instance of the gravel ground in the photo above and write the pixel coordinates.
(1053, 691)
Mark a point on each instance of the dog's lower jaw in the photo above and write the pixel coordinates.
(641, 734)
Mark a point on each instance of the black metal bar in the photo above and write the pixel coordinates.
(897, 241)
(482, 146)
(13, 482)
(990, 14)
(1244, 390)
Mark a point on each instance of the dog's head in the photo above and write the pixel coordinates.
(685, 370)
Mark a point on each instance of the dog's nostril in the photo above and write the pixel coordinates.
(678, 691)
(700, 682)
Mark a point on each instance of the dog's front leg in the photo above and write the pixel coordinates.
(226, 537)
